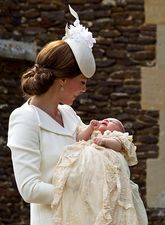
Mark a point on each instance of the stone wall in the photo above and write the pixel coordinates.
(153, 87)
(124, 44)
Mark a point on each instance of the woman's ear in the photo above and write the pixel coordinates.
(62, 81)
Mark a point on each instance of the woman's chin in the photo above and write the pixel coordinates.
(68, 102)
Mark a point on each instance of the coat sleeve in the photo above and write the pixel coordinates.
(23, 140)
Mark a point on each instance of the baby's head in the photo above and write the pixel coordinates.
(111, 124)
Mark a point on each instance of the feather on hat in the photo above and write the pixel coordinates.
(81, 42)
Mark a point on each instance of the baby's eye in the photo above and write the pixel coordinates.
(106, 121)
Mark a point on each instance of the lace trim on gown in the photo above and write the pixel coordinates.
(128, 148)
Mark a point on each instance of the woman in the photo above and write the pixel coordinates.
(41, 128)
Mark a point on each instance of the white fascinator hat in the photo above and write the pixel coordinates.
(81, 42)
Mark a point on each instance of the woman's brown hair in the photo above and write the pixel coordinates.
(55, 60)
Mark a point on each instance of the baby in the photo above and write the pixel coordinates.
(109, 133)
(95, 171)
(110, 124)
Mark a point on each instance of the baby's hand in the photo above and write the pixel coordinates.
(99, 141)
(111, 143)
(94, 124)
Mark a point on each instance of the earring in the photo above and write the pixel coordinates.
(61, 88)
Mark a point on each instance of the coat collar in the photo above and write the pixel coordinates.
(46, 122)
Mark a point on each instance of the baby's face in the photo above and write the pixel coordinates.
(108, 124)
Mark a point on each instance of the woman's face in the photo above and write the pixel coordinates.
(72, 88)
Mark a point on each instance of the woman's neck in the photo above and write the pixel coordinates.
(48, 105)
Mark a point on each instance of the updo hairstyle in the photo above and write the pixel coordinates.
(54, 61)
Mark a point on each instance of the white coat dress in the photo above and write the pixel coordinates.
(36, 142)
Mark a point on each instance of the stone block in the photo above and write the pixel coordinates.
(153, 88)
(18, 50)
(155, 172)
(161, 46)
(155, 175)
(162, 136)
(155, 11)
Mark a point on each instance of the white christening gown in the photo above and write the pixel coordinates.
(93, 185)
